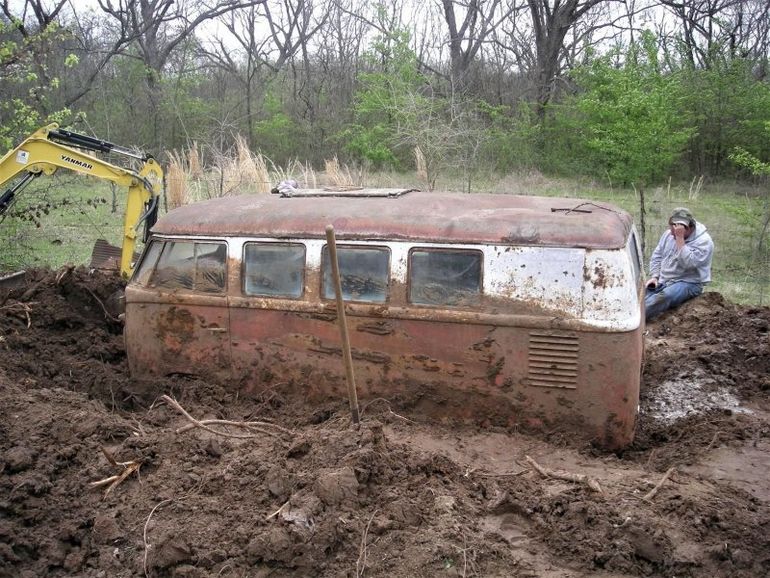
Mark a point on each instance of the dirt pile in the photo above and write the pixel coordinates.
(300, 493)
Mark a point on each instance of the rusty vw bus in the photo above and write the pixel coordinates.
(509, 310)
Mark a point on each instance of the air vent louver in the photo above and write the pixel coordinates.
(553, 359)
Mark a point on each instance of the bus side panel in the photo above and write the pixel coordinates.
(389, 356)
(189, 335)
(602, 400)
(475, 372)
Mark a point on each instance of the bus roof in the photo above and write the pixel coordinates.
(499, 219)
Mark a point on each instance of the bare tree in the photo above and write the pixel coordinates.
(545, 36)
(470, 25)
(263, 51)
(43, 15)
(711, 29)
(552, 20)
(158, 27)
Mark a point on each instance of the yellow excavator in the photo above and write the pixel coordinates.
(52, 148)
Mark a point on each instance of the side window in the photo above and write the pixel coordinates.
(363, 273)
(274, 269)
(189, 265)
(440, 277)
(210, 259)
(142, 274)
(634, 252)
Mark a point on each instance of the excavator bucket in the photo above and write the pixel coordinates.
(105, 257)
(13, 281)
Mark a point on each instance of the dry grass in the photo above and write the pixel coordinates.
(340, 175)
(422, 167)
(252, 168)
(176, 181)
(194, 165)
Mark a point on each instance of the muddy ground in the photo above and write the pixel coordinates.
(307, 495)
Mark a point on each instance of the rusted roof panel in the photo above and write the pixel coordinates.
(418, 216)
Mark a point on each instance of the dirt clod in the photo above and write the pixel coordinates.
(396, 497)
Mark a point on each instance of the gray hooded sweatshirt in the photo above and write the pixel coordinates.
(691, 264)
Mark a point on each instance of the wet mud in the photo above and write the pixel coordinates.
(102, 477)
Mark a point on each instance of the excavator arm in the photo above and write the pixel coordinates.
(51, 148)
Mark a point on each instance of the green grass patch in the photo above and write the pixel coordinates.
(55, 221)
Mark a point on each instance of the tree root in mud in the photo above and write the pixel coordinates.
(568, 476)
(651, 494)
(125, 469)
(25, 308)
(254, 427)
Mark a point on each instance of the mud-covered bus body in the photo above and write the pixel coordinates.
(501, 309)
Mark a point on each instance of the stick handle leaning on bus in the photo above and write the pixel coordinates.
(352, 395)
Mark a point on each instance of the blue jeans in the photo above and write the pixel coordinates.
(669, 295)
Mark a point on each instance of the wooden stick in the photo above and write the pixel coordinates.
(713, 441)
(173, 403)
(144, 535)
(113, 482)
(103, 482)
(651, 494)
(104, 309)
(361, 562)
(134, 467)
(568, 476)
(390, 411)
(244, 424)
(278, 511)
(347, 357)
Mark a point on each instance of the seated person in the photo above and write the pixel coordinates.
(680, 265)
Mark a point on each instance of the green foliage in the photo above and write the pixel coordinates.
(277, 134)
(25, 81)
(386, 99)
(728, 106)
(71, 60)
(512, 137)
(747, 160)
(625, 122)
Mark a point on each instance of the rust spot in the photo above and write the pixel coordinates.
(376, 327)
(564, 402)
(358, 354)
(177, 324)
(494, 369)
(486, 343)
(329, 317)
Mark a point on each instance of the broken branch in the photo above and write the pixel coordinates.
(25, 308)
(104, 309)
(253, 425)
(113, 482)
(197, 423)
(568, 476)
(144, 535)
(278, 511)
(651, 494)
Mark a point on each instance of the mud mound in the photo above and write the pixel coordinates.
(301, 493)
(706, 376)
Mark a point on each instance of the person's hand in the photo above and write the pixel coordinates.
(652, 283)
(679, 230)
